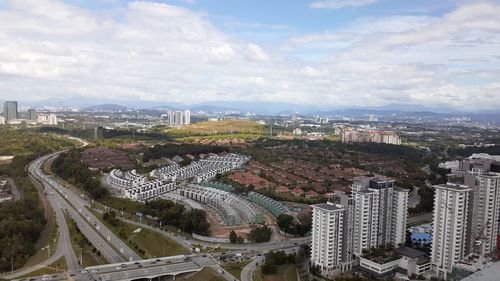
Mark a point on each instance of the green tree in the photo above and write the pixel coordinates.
(233, 238)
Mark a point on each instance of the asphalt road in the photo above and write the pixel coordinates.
(63, 246)
(190, 243)
(79, 204)
(114, 249)
(248, 270)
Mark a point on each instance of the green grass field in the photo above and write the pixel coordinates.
(82, 249)
(206, 274)
(236, 268)
(287, 272)
(154, 244)
(58, 266)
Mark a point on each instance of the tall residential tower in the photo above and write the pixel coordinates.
(451, 206)
(10, 111)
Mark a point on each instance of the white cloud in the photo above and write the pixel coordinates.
(339, 4)
(164, 53)
(256, 53)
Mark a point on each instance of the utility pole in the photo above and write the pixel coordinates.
(81, 256)
(12, 264)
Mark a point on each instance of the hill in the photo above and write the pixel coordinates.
(218, 128)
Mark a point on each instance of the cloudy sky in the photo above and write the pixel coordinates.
(337, 53)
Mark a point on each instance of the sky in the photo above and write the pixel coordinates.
(324, 53)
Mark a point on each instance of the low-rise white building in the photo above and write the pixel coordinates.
(403, 259)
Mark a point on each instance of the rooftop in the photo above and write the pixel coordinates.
(329, 207)
(454, 186)
(409, 252)
(490, 272)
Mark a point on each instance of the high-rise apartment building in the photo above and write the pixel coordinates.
(178, 118)
(380, 212)
(10, 111)
(481, 173)
(187, 117)
(47, 119)
(31, 115)
(171, 118)
(329, 247)
(450, 223)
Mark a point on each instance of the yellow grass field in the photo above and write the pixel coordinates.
(222, 127)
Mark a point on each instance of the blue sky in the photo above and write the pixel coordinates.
(325, 53)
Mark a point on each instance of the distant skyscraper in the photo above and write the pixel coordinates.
(187, 117)
(10, 111)
(171, 118)
(178, 118)
(449, 233)
(31, 115)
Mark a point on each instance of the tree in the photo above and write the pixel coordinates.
(260, 234)
(286, 223)
(233, 238)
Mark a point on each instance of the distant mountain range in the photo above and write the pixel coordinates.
(105, 108)
(261, 108)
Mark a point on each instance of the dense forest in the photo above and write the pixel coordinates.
(288, 224)
(170, 150)
(171, 213)
(69, 167)
(21, 222)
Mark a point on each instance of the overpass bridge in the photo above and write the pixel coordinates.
(151, 269)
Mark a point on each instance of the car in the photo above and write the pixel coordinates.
(94, 271)
(72, 274)
(45, 277)
(84, 271)
(158, 260)
(204, 256)
(123, 265)
(137, 262)
(140, 265)
(153, 262)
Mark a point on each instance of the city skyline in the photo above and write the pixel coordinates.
(313, 53)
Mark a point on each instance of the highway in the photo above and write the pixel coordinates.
(145, 269)
(190, 243)
(112, 247)
(66, 201)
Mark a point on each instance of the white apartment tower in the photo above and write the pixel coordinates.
(47, 118)
(365, 232)
(380, 212)
(451, 202)
(187, 117)
(399, 215)
(481, 172)
(328, 246)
